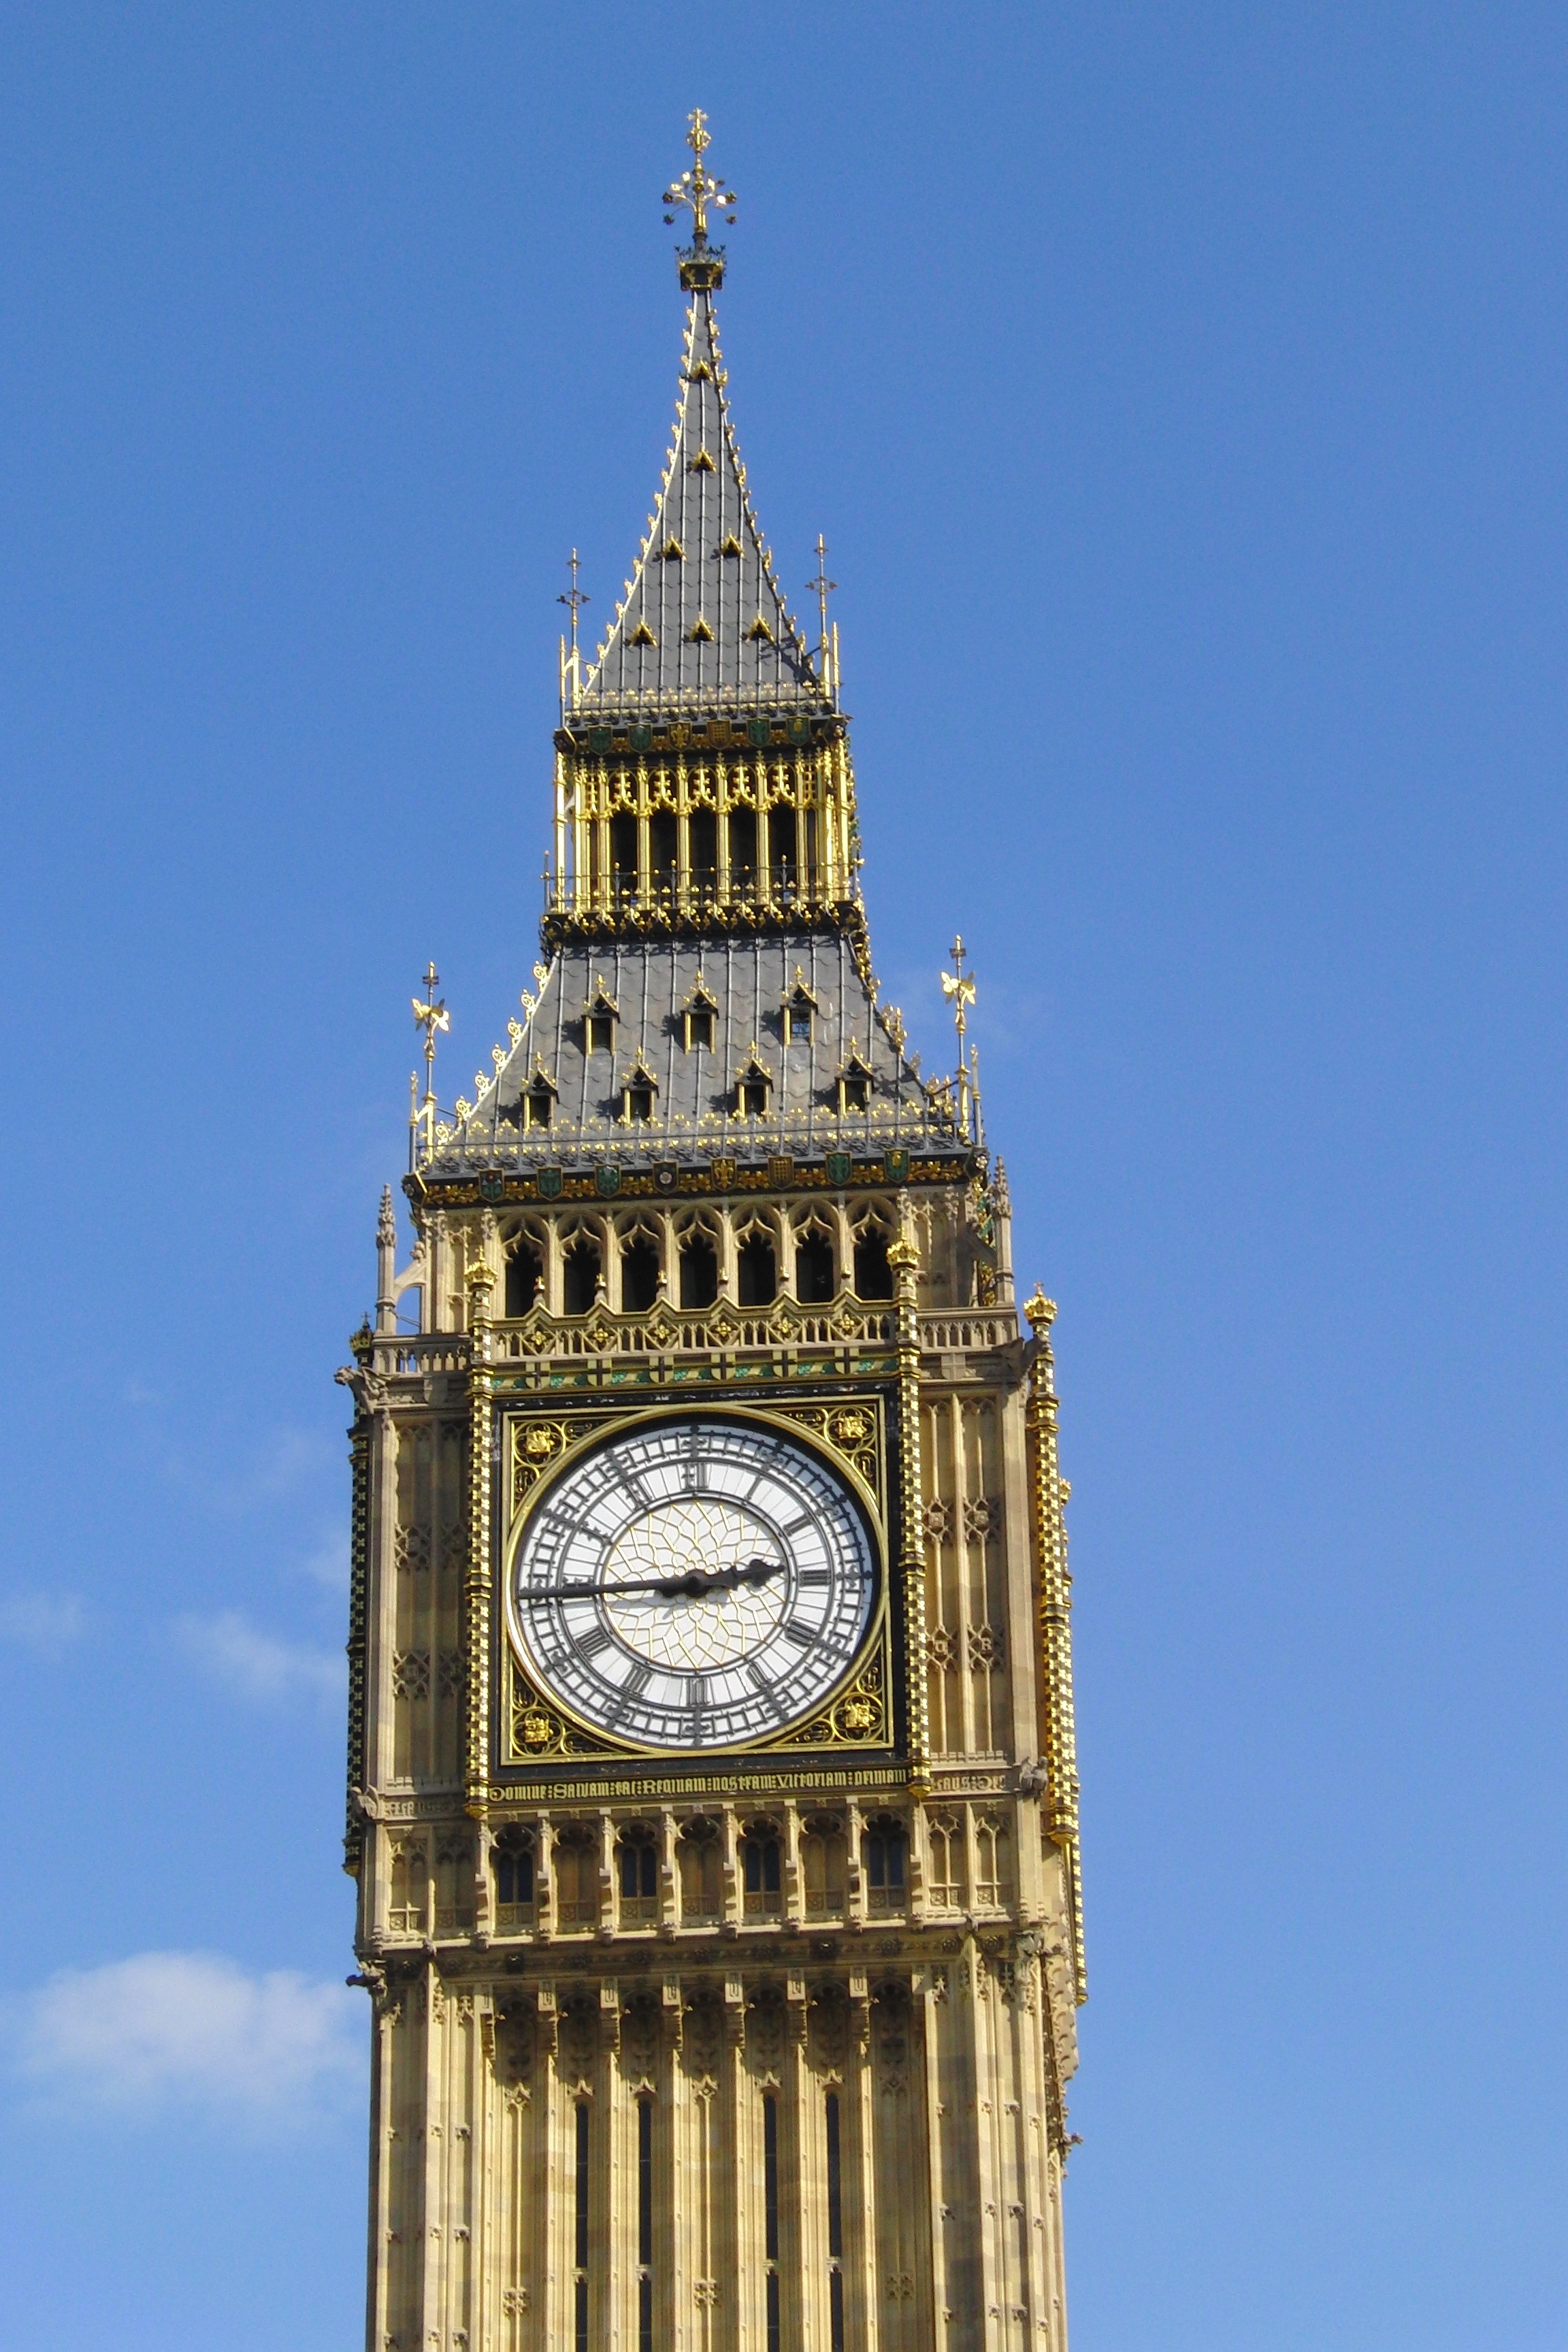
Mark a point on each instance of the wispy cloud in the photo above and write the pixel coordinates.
(326, 1562)
(43, 1622)
(258, 1666)
(192, 2027)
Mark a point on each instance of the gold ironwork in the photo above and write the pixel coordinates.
(700, 188)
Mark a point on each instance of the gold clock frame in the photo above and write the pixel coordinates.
(849, 1433)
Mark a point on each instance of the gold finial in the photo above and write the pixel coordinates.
(1041, 1312)
(702, 190)
(431, 1015)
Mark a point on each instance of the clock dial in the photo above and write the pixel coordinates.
(694, 1584)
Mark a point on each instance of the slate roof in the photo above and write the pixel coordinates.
(703, 626)
(695, 1092)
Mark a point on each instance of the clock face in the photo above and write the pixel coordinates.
(694, 1584)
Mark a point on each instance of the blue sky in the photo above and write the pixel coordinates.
(1180, 391)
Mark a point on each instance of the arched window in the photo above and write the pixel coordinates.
(661, 850)
(640, 1270)
(701, 1864)
(699, 1270)
(580, 1276)
(624, 854)
(742, 851)
(757, 1271)
(637, 1874)
(524, 1274)
(576, 1862)
(410, 1883)
(944, 1834)
(992, 1863)
(814, 1277)
(782, 852)
(822, 1864)
(885, 1849)
(702, 841)
(873, 1275)
(762, 1869)
(512, 1866)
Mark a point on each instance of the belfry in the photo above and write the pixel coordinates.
(712, 1799)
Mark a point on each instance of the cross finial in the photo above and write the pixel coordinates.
(574, 598)
(701, 189)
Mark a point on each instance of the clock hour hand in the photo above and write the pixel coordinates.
(693, 1586)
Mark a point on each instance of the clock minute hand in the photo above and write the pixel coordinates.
(692, 1586)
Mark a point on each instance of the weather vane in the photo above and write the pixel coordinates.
(699, 187)
(960, 985)
(429, 1014)
(574, 599)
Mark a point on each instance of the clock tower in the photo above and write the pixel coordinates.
(712, 1801)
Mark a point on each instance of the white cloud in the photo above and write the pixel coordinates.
(256, 1664)
(45, 1623)
(192, 2026)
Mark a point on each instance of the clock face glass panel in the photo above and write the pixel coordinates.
(694, 1584)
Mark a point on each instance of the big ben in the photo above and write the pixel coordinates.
(712, 1799)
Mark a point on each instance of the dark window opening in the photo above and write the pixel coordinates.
(885, 1857)
(835, 2182)
(579, 1277)
(639, 1871)
(810, 874)
(662, 851)
(758, 1271)
(536, 1106)
(856, 1094)
(524, 1273)
(814, 1271)
(698, 1272)
(873, 1275)
(639, 1275)
(702, 848)
(601, 1037)
(782, 850)
(753, 1097)
(624, 852)
(759, 1861)
(514, 1874)
(742, 849)
(640, 1105)
(700, 1028)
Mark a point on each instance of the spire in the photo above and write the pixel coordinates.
(703, 627)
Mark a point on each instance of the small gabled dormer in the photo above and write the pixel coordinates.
(538, 1099)
(753, 1087)
(600, 1016)
(856, 1081)
(698, 1017)
(799, 1012)
(639, 1092)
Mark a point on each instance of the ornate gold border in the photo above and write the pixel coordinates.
(850, 1432)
